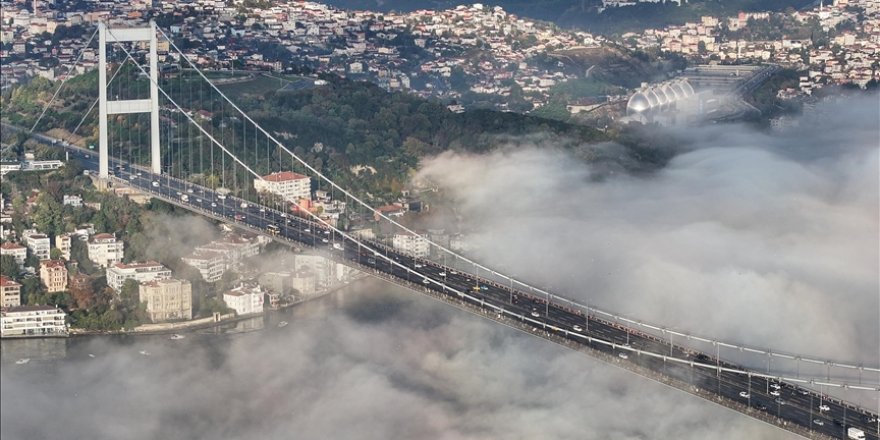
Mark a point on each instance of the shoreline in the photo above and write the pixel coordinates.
(197, 326)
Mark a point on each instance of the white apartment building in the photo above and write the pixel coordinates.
(167, 299)
(245, 299)
(210, 265)
(415, 245)
(32, 321)
(18, 251)
(140, 272)
(39, 244)
(63, 243)
(234, 248)
(105, 250)
(10, 292)
(287, 184)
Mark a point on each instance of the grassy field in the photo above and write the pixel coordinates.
(257, 86)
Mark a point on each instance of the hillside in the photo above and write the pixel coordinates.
(356, 124)
(583, 14)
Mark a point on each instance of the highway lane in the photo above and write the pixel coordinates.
(796, 405)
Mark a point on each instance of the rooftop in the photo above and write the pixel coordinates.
(6, 281)
(284, 176)
(136, 265)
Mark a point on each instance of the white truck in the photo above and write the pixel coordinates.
(855, 434)
(222, 193)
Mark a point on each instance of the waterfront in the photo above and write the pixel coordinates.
(370, 361)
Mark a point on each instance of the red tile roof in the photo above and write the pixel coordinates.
(6, 281)
(284, 176)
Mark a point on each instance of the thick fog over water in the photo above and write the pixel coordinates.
(769, 240)
(764, 239)
(376, 362)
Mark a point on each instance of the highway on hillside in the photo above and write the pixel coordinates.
(781, 403)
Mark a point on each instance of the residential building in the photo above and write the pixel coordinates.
(38, 244)
(16, 250)
(32, 321)
(287, 184)
(305, 282)
(210, 265)
(245, 299)
(415, 245)
(276, 282)
(234, 248)
(10, 292)
(140, 272)
(63, 243)
(75, 201)
(53, 273)
(105, 250)
(167, 299)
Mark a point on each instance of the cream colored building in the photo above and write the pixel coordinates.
(53, 273)
(167, 299)
(287, 184)
(63, 243)
(10, 292)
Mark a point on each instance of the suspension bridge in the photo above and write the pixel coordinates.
(180, 138)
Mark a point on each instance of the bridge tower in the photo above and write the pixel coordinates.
(127, 106)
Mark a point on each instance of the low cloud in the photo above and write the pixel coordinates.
(380, 364)
(764, 239)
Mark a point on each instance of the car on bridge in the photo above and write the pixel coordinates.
(577, 328)
(744, 395)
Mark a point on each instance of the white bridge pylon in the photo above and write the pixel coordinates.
(127, 106)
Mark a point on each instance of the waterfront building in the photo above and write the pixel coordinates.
(245, 299)
(32, 321)
(167, 299)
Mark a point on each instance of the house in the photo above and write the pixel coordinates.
(10, 292)
(38, 244)
(287, 184)
(245, 299)
(18, 251)
(167, 299)
(118, 273)
(210, 265)
(21, 321)
(53, 274)
(105, 250)
(63, 243)
(415, 245)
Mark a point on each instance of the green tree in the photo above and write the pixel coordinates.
(48, 215)
(9, 267)
(129, 294)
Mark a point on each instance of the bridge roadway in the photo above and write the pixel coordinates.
(780, 403)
